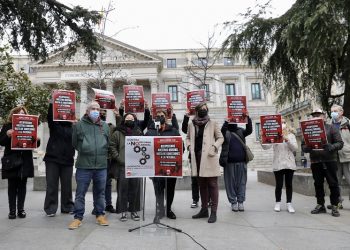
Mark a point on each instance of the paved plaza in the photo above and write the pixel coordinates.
(259, 227)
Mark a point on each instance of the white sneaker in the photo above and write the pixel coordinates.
(290, 208)
(277, 207)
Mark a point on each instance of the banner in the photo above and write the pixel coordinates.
(63, 103)
(194, 98)
(134, 99)
(25, 132)
(161, 101)
(271, 129)
(148, 156)
(168, 156)
(236, 109)
(105, 98)
(314, 133)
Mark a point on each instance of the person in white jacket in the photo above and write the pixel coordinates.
(284, 165)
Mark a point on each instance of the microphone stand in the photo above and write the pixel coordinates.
(156, 220)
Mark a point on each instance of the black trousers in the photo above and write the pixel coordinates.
(159, 184)
(129, 193)
(288, 176)
(56, 173)
(195, 188)
(327, 170)
(17, 190)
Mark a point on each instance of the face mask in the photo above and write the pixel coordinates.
(94, 115)
(284, 126)
(334, 115)
(160, 119)
(202, 113)
(129, 123)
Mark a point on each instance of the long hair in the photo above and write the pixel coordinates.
(16, 110)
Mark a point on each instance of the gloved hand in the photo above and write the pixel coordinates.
(328, 147)
(307, 149)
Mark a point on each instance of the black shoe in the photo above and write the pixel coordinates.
(319, 209)
(93, 212)
(12, 215)
(335, 211)
(212, 218)
(329, 206)
(194, 204)
(170, 214)
(110, 209)
(21, 214)
(202, 214)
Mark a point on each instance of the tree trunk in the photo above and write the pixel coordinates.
(346, 104)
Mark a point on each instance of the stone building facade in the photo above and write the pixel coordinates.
(160, 71)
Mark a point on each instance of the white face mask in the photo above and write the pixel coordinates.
(284, 126)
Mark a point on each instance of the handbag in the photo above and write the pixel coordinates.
(249, 156)
(11, 162)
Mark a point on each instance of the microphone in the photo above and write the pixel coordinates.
(157, 124)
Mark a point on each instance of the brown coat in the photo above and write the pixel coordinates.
(212, 136)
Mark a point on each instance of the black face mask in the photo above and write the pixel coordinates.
(103, 117)
(202, 113)
(160, 119)
(129, 123)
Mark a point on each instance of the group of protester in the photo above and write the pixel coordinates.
(101, 157)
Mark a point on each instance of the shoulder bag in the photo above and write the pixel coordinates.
(249, 153)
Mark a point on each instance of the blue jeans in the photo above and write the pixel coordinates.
(83, 178)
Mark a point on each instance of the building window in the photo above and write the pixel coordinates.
(228, 61)
(230, 89)
(202, 61)
(207, 92)
(257, 131)
(256, 91)
(171, 63)
(172, 89)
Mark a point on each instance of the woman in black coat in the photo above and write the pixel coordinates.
(17, 178)
(59, 161)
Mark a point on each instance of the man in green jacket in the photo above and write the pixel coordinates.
(90, 138)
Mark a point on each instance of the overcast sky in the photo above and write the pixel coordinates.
(161, 24)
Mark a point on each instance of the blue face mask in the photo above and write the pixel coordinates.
(94, 115)
(334, 115)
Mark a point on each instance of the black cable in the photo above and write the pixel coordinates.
(180, 231)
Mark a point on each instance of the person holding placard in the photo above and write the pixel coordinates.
(59, 161)
(233, 159)
(17, 167)
(128, 188)
(142, 124)
(161, 183)
(203, 140)
(283, 165)
(91, 139)
(324, 165)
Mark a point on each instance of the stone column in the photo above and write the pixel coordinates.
(83, 98)
(218, 95)
(154, 85)
(244, 86)
(110, 116)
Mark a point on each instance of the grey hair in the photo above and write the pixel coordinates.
(92, 104)
(338, 106)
